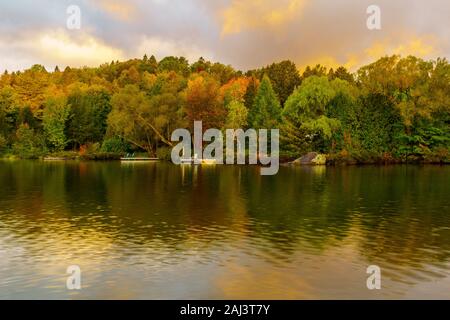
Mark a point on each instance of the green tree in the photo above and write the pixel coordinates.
(237, 115)
(341, 73)
(266, 110)
(3, 143)
(380, 123)
(179, 65)
(89, 111)
(306, 125)
(252, 90)
(28, 144)
(115, 145)
(345, 108)
(284, 77)
(8, 111)
(149, 65)
(201, 65)
(318, 71)
(56, 113)
(419, 90)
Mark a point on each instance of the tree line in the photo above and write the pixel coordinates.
(394, 109)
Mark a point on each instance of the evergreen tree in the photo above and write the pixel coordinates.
(266, 110)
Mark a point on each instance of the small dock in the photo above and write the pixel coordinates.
(198, 161)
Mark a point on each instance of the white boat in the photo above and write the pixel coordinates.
(195, 160)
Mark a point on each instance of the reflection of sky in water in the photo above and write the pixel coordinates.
(159, 231)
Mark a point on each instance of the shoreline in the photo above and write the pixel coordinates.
(330, 163)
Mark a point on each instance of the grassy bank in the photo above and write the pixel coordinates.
(66, 155)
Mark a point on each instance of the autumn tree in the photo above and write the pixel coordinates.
(392, 108)
(223, 73)
(30, 87)
(234, 90)
(129, 76)
(204, 102)
(132, 118)
(167, 101)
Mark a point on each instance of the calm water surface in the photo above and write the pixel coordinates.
(159, 231)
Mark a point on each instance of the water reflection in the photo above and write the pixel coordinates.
(154, 230)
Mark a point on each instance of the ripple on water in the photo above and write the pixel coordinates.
(149, 234)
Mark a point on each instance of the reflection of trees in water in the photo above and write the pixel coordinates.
(406, 215)
(297, 206)
(392, 214)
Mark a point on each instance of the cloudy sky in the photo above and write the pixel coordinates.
(243, 33)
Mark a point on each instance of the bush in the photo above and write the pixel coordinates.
(3, 143)
(28, 145)
(440, 155)
(164, 153)
(115, 145)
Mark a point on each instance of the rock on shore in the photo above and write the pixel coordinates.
(311, 158)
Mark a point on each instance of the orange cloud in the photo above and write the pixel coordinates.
(350, 62)
(120, 9)
(250, 14)
(422, 47)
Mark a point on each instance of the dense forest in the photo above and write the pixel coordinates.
(393, 110)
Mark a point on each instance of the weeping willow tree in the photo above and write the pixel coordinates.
(305, 124)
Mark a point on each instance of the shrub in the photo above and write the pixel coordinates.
(440, 155)
(115, 145)
(28, 144)
(164, 153)
(3, 143)
(89, 148)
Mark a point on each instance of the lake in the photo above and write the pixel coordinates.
(160, 231)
